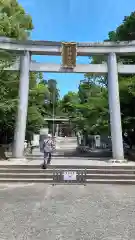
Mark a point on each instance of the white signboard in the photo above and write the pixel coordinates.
(69, 176)
(35, 141)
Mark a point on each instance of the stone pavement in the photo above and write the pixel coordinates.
(67, 161)
(64, 145)
(93, 212)
(87, 162)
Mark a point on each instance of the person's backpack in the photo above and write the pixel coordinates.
(47, 145)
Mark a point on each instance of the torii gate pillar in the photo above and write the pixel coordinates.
(20, 130)
(114, 106)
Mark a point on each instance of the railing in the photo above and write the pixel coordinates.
(61, 176)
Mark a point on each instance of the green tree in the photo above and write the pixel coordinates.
(69, 102)
(15, 23)
(87, 109)
(37, 108)
(124, 32)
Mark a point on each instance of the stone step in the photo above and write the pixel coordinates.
(106, 167)
(26, 180)
(110, 181)
(49, 181)
(100, 166)
(50, 176)
(50, 171)
(26, 175)
(110, 176)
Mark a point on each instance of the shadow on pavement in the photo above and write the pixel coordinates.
(94, 153)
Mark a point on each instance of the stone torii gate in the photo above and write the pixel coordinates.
(27, 48)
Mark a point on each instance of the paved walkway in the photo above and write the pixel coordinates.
(86, 162)
(63, 145)
(43, 212)
(63, 161)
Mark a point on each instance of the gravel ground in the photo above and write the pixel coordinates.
(38, 211)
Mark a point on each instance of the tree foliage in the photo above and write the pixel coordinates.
(92, 94)
(15, 23)
(85, 107)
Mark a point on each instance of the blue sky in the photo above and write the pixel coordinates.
(74, 20)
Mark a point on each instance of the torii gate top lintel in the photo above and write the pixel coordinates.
(54, 47)
(58, 43)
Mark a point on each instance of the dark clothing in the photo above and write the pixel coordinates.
(47, 157)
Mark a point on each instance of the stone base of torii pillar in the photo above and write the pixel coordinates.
(118, 161)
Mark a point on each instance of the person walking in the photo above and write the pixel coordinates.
(25, 146)
(48, 148)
